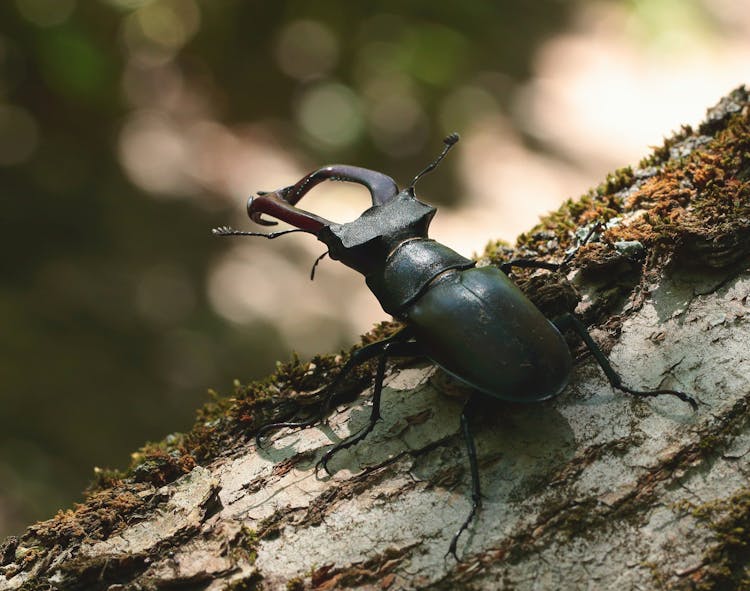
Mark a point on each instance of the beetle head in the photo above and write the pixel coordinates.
(281, 203)
(365, 243)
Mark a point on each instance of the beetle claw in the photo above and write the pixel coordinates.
(452, 549)
(323, 462)
(652, 393)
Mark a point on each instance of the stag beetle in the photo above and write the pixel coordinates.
(471, 321)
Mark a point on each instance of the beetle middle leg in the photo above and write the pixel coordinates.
(358, 357)
(392, 348)
(476, 493)
(570, 321)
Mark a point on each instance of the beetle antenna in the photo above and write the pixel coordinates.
(227, 231)
(449, 142)
(315, 264)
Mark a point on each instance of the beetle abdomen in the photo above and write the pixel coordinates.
(477, 325)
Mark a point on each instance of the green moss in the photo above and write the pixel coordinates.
(616, 181)
(726, 562)
(104, 513)
(578, 519)
(161, 462)
(710, 442)
(496, 252)
(253, 582)
(693, 209)
(96, 519)
(661, 154)
(105, 478)
(245, 545)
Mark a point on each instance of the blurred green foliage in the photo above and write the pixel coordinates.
(86, 376)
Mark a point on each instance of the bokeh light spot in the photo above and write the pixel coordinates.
(435, 53)
(128, 4)
(306, 49)
(466, 106)
(377, 58)
(160, 86)
(18, 135)
(154, 154)
(331, 114)
(46, 13)
(156, 31)
(398, 124)
(169, 23)
(667, 25)
(248, 285)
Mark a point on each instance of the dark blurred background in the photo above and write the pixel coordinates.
(129, 128)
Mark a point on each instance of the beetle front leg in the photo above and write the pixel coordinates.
(570, 321)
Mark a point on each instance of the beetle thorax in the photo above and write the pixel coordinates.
(365, 243)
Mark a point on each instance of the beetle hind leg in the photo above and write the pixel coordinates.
(507, 267)
(570, 321)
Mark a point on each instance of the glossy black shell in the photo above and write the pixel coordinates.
(478, 326)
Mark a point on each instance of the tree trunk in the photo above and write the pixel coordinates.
(595, 489)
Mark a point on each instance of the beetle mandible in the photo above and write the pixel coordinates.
(471, 321)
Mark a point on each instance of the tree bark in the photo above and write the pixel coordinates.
(594, 489)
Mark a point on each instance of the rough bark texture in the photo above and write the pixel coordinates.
(593, 490)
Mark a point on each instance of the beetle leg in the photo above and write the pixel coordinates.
(570, 321)
(357, 358)
(598, 226)
(315, 264)
(391, 349)
(534, 264)
(476, 493)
